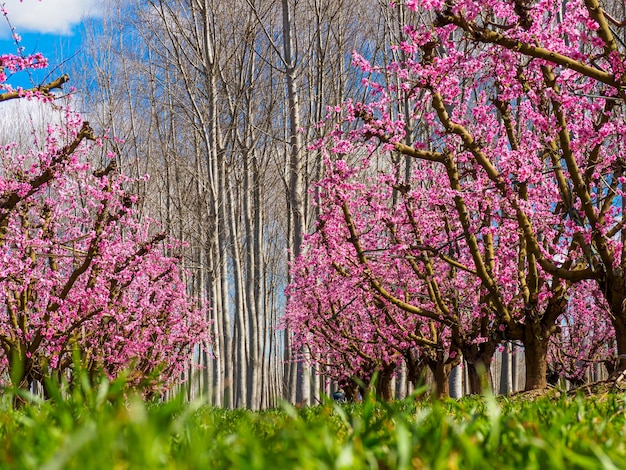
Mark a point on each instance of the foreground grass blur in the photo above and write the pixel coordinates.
(99, 428)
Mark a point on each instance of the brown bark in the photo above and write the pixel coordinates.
(441, 373)
(619, 326)
(415, 367)
(383, 384)
(43, 89)
(535, 355)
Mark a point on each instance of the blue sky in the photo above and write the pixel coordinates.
(51, 27)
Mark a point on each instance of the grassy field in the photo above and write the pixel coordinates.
(98, 428)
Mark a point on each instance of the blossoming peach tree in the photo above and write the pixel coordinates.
(81, 273)
(515, 177)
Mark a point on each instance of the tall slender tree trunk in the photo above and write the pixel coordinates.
(401, 383)
(258, 274)
(456, 382)
(217, 301)
(316, 386)
(240, 331)
(226, 364)
(506, 372)
(253, 366)
(296, 166)
(515, 369)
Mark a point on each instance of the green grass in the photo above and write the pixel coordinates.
(95, 428)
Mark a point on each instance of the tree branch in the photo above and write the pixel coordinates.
(485, 35)
(43, 89)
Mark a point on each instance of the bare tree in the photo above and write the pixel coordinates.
(217, 102)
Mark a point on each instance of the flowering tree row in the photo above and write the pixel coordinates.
(82, 274)
(502, 220)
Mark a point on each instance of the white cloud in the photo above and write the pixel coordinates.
(50, 16)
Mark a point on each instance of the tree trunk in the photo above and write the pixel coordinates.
(515, 370)
(478, 376)
(290, 370)
(401, 383)
(225, 366)
(415, 369)
(535, 356)
(383, 383)
(620, 337)
(316, 386)
(21, 374)
(441, 373)
(456, 382)
(478, 359)
(240, 337)
(295, 170)
(253, 395)
(506, 373)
